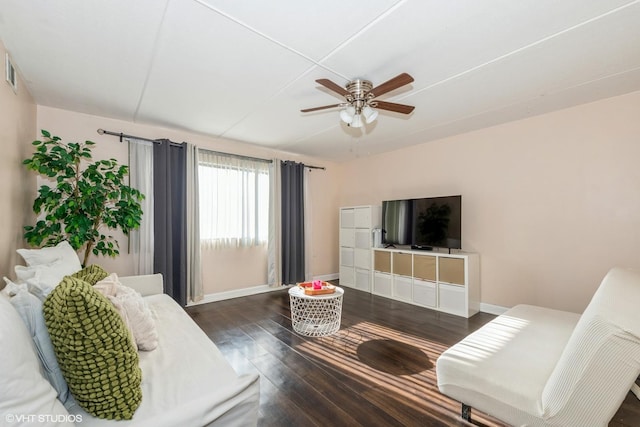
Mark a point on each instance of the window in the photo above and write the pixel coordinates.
(10, 72)
(234, 200)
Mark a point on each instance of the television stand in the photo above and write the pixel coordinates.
(389, 245)
(422, 248)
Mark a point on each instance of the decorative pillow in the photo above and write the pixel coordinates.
(29, 307)
(91, 274)
(24, 389)
(61, 252)
(31, 277)
(133, 309)
(42, 278)
(94, 349)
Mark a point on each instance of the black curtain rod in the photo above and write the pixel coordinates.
(124, 135)
(155, 141)
(309, 166)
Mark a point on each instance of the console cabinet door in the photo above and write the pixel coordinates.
(347, 276)
(424, 293)
(346, 257)
(347, 237)
(382, 284)
(382, 261)
(363, 280)
(362, 258)
(362, 239)
(424, 267)
(402, 288)
(402, 264)
(347, 218)
(362, 217)
(451, 298)
(451, 270)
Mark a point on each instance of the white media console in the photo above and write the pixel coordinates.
(441, 281)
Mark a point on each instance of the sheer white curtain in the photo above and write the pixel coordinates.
(274, 248)
(234, 200)
(141, 178)
(195, 291)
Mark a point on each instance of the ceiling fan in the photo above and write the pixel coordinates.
(360, 99)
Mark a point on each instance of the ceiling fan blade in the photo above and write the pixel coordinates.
(392, 106)
(333, 86)
(389, 85)
(308, 110)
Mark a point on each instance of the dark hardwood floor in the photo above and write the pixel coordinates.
(378, 370)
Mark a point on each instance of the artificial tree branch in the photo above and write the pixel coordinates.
(77, 213)
(90, 243)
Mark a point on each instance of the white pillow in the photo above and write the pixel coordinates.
(25, 390)
(42, 279)
(29, 307)
(133, 309)
(62, 251)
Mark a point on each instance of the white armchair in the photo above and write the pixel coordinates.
(541, 367)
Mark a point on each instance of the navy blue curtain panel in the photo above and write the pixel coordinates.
(170, 230)
(292, 222)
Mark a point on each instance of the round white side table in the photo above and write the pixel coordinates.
(315, 315)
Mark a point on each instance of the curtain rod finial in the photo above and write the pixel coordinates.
(101, 131)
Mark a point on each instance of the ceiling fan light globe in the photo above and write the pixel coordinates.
(357, 121)
(370, 115)
(347, 115)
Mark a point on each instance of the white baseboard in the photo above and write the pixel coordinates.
(492, 309)
(254, 290)
(326, 277)
(236, 293)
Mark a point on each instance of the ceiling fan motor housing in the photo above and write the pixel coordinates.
(359, 90)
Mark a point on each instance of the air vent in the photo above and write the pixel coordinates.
(12, 78)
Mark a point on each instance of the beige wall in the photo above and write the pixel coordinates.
(17, 186)
(224, 270)
(550, 203)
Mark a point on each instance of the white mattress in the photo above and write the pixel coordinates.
(186, 381)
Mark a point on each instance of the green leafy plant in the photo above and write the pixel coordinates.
(89, 197)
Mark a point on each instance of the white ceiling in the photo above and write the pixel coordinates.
(242, 70)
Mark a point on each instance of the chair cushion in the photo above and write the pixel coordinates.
(507, 360)
(94, 349)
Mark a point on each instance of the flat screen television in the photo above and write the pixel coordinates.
(423, 223)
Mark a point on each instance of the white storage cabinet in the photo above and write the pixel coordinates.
(356, 237)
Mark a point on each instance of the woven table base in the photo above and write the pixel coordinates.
(315, 316)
